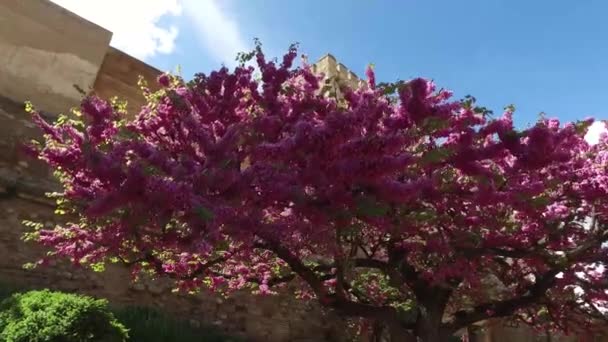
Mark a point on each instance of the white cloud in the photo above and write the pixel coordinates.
(135, 23)
(219, 32)
(595, 131)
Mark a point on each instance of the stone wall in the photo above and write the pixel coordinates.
(329, 66)
(45, 51)
(22, 186)
(119, 75)
(335, 76)
(255, 317)
(498, 331)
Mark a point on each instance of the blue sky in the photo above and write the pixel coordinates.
(542, 56)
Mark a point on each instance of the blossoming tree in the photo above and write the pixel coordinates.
(393, 204)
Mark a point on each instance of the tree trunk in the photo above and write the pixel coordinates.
(433, 336)
(377, 332)
(476, 334)
(429, 327)
(398, 334)
(384, 332)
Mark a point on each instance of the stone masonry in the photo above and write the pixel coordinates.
(46, 55)
(49, 55)
(23, 183)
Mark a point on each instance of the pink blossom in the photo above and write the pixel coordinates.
(556, 211)
(368, 201)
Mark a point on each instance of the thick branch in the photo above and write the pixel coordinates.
(344, 306)
(506, 307)
(401, 273)
(534, 293)
(296, 266)
(158, 266)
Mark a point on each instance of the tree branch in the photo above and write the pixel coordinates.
(506, 307)
(400, 272)
(533, 294)
(345, 306)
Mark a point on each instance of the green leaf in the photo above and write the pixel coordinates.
(98, 267)
(582, 126)
(31, 236)
(222, 245)
(435, 123)
(29, 266)
(32, 224)
(436, 155)
(539, 201)
(391, 88)
(29, 107)
(370, 207)
(426, 216)
(468, 102)
(62, 119)
(204, 213)
(510, 108)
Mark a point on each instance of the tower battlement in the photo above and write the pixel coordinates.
(329, 66)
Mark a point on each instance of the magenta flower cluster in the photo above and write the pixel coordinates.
(236, 181)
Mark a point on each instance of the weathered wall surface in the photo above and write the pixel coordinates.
(336, 76)
(119, 75)
(329, 66)
(497, 331)
(22, 186)
(258, 318)
(45, 51)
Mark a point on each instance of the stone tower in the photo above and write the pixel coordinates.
(336, 75)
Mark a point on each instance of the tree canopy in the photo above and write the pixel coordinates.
(393, 203)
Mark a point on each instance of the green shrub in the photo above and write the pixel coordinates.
(144, 324)
(152, 326)
(45, 316)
